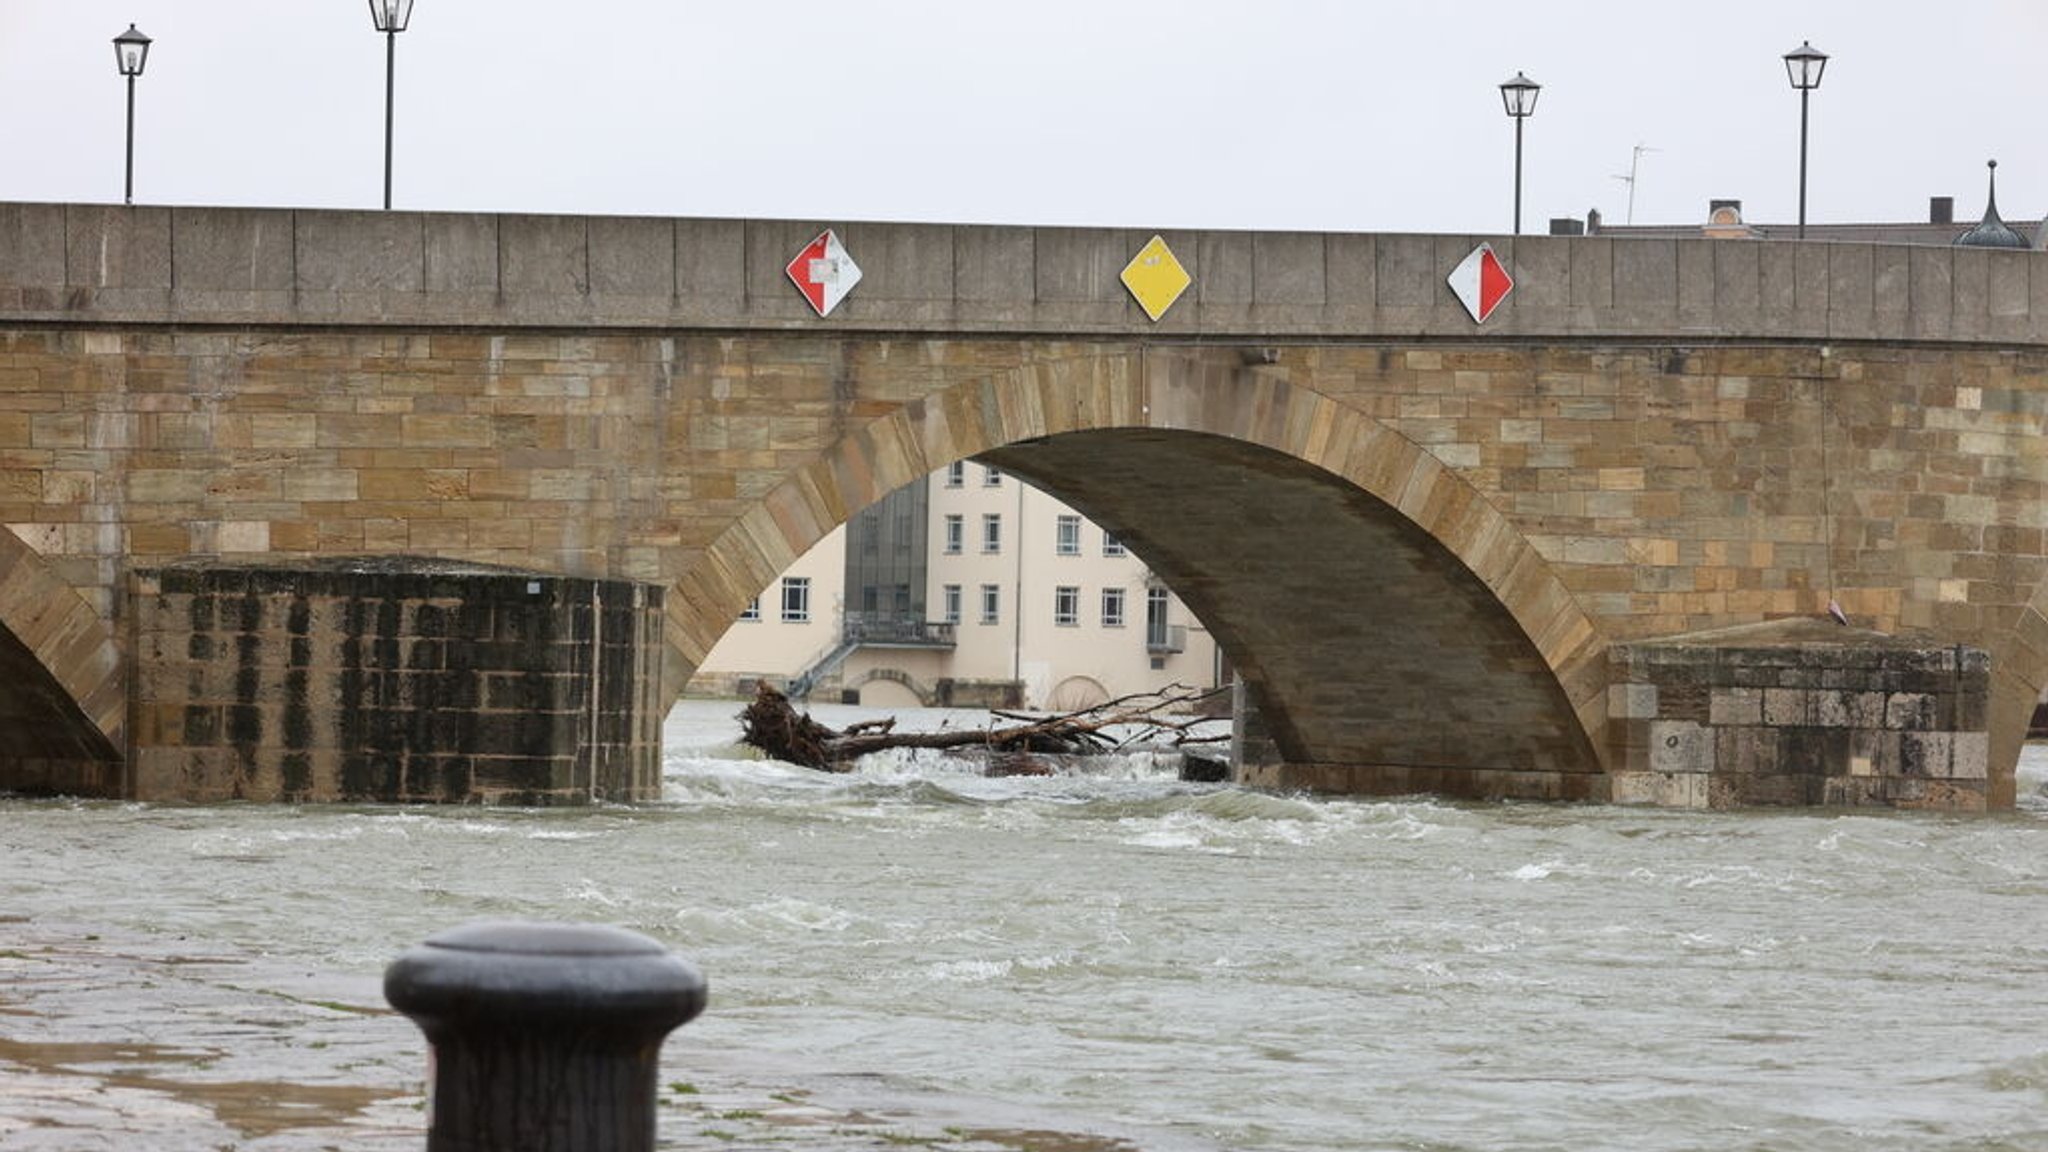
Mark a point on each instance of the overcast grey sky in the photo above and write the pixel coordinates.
(1315, 114)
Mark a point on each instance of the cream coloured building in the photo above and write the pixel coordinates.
(969, 588)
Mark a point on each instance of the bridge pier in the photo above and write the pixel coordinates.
(393, 679)
(1803, 712)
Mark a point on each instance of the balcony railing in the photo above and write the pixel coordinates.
(1172, 638)
(896, 631)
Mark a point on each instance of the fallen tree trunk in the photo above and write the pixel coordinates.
(773, 725)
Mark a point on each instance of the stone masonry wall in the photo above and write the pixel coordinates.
(394, 680)
(1650, 438)
(1801, 713)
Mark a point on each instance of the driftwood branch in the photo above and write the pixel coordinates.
(773, 725)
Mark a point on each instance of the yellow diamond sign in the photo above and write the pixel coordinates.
(1155, 278)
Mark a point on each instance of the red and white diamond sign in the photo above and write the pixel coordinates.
(824, 273)
(1481, 282)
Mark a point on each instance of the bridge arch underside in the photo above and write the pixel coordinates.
(1379, 664)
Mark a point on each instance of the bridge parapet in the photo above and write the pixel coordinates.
(101, 264)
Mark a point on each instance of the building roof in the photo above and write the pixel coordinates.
(1724, 221)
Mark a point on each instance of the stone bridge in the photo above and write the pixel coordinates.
(1576, 551)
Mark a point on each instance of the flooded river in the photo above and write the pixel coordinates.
(917, 956)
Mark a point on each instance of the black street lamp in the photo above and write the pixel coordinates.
(131, 52)
(1519, 95)
(391, 17)
(1803, 65)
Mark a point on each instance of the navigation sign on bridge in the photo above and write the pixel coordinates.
(824, 273)
(1155, 278)
(1481, 282)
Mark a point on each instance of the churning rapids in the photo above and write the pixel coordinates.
(914, 955)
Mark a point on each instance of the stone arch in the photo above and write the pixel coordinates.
(926, 695)
(64, 709)
(1165, 391)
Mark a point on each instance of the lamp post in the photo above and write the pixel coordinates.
(1803, 65)
(391, 17)
(131, 52)
(1519, 96)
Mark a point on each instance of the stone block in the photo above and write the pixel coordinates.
(1746, 751)
(1288, 268)
(1632, 701)
(462, 253)
(1665, 790)
(1788, 707)
(632, 256)
(1843, 708)
(1350, 272)
(1851, 290)
(1406, 272)
(544, 255)
(1971, 752)
(1910, 711)
(1682, 746)
(1226, 262)
(1731, 707)
(32, 247)
(360, 252)
(118, 248)
(1646, 274)
(998, 266)
(1926, 754)
(1737, 285)
(1932, 286)
(711, 260)
(1543, 273)
(231, 250)
(1082, 265)
(1873, 752)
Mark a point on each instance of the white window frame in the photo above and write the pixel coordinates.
(796, 599)
(1158, 617)
(991, 603)
(1112, 607)
(956, 533)
(991, 533)
(1067, 535)
(949, 597)
(991, 477)
(752, 612)
(1066, 606)
(1111, 546)
(956, 474)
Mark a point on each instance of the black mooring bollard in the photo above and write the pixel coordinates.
(542, 1037)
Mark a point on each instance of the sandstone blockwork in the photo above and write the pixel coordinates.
(1420, 539)
(1804, 714)
(394, 680)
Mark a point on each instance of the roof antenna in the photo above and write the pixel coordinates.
(1635, 161)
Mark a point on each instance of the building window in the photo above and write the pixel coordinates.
(1112, 607)
(1155, 617)
(991, 477)
(1067, 542)
(992, 532)
(956, 533)
(796, 599)
(1111, 546)
(991, 603)
(753, 610)
(951, 599)
(956, 473)
(1066, 606)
